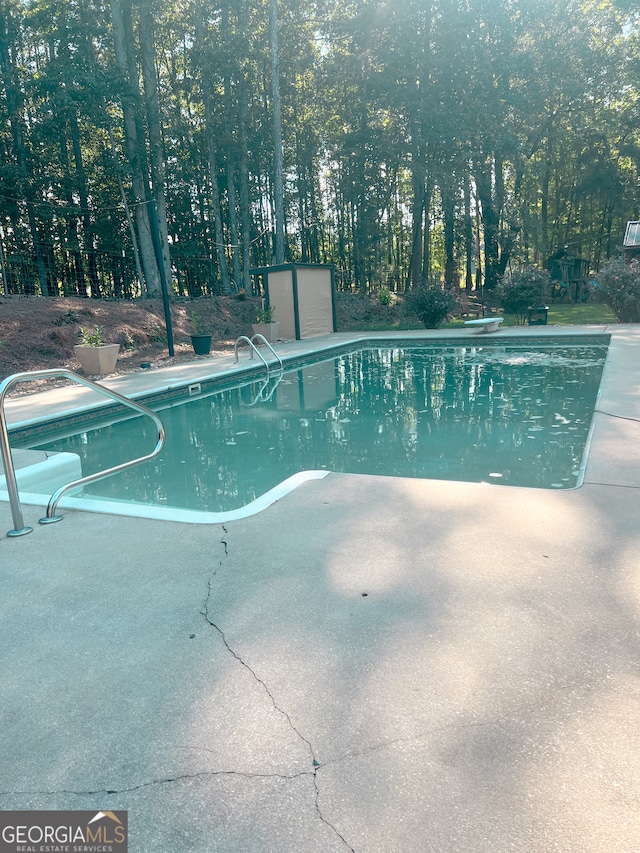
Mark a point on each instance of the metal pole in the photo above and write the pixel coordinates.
(155, 236)
(5, 286)
(19, 528)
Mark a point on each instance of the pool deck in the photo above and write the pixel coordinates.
(371, 664)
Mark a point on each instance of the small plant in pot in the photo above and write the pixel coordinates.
(265, 324)
(96, 357)
(200, 338)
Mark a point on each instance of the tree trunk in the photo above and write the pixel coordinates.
(211, 153)
(71, 225)
(469, 248)
(426, 241)
(417, 216)
(448, 212)
(230, 157)
(14, 104)
(245, 210)
(278, 190)
(484, 177)
(147, 53)
(135, 150)
(81, 183)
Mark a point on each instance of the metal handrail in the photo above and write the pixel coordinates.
(5, 447)
(252, 347)
(265, 341)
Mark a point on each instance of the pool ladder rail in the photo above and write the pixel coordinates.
(253, 348)
(16, 510)
(260, 396)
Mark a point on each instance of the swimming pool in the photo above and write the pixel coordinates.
(512, 413)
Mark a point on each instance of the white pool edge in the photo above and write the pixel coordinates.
(160, 513)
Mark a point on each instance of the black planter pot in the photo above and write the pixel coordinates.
(201, 344)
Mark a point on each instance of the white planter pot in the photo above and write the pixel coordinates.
(267, 330)
(97, 361)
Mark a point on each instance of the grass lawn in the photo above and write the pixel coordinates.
(580, 314)
(560, 314)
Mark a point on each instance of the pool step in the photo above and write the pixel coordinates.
(41, 472)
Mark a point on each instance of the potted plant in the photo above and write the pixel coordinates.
(200, 339)
(265, 324)
(96, 358)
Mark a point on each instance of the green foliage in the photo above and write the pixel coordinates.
(618, 286)
(197, 324)
(503, 126)
(385, 297)
(157, 335)
(430, 305)
(524, 289)
(265, 314)
(69, 318)
(127, 341)
(90, 338)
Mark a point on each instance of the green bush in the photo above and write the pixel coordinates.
(618, 286)
(198, 325)
(524, 289)
(430, 305)
(87, 338)
(265, 314)
(385, 297)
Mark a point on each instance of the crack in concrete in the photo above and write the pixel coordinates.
(172, 779)
(611, 485)
(509, 716)
(314, 761)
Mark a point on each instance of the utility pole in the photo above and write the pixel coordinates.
(5, 285)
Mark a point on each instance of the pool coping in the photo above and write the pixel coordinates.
(221, 370)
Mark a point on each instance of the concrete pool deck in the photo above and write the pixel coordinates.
(371, 664)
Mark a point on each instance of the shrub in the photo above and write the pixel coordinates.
(88, 338)
(618, 286)
(524, 289)
(69, 318)
(385, 297)
(265, 314)
(430, 305)
(198, 324)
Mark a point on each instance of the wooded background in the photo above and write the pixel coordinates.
(404, 142)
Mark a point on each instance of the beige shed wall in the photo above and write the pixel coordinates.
(315, 307)
(281, 298)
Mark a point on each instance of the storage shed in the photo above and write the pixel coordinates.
(303, 296)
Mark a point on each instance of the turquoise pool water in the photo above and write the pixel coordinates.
(516, 414)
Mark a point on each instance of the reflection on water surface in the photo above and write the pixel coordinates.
(497, 414)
